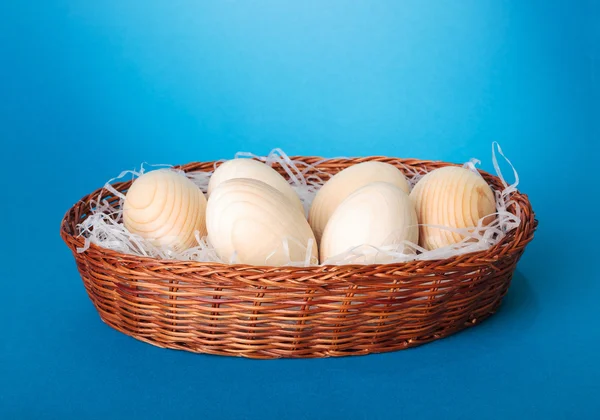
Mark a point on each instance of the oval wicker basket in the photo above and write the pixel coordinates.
(271, 312)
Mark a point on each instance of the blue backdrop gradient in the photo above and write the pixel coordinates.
(90, 88)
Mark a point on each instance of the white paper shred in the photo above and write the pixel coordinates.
(104, 226)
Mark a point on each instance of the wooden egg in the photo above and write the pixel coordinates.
(166, 208)
(377, 214)
(450, 196)
(251, 220)
(344, 183)
(253, 169)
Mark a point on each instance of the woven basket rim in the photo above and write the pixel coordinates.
(476, 258)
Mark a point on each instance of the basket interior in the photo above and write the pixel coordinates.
(319, 166)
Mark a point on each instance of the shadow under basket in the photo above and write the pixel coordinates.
(272, 312)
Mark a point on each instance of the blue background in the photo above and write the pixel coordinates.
(90, 88)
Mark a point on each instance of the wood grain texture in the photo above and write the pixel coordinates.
(273, 312)
(252, 219)
(454, 197)
(166, 208)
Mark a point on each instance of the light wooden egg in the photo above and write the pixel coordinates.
(377, 214)
(251, 219)
(165, 207)
(253, 169)
(450, 196)
(344, 183)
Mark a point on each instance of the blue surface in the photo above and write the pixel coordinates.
(90, 88)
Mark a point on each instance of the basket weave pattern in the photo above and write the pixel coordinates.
(271, 312)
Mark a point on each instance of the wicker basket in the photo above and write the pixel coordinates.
(271, 312)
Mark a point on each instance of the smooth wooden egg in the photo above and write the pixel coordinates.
(166, 208)
(344, 183)
(450, 196)
(253, 169)
(251, 219)
(377, 214)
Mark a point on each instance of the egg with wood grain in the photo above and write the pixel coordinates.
(250, 222)
(344, 183)
(166, 208)
(379, 214)
(253, 169)
(452, 197)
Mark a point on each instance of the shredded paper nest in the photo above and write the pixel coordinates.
(104, 226)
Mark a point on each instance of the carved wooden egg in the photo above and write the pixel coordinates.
(450, 196)
(378, 214)
(250, 222)
(344, 183)
(165, 207)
